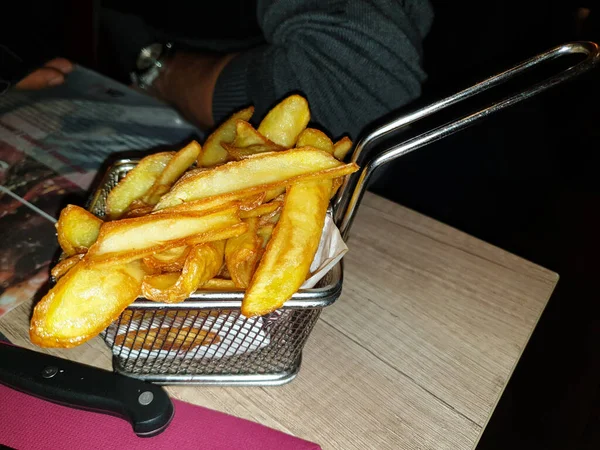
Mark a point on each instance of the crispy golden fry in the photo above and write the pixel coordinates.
(273, 193)
(83, 303)
(136, 184)
(137, 212)
(265, 232)
(284, 123)
(77, 229)
(269, 219)
(243, 200)
(220, 235)
(202, 264)
(242, 254)
(312, 137)
(171, 260)
(180, 162)
(262, 172)
(64, 265)
(246, 136)
(261, 210)
(342, 147)
(289, 254)
(167, 339)
(239, 153)
(213, 154)
(128, 239)
(218, 284)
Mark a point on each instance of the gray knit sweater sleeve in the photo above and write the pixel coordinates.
(354, 60)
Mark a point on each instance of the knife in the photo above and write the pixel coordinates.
(146, 406)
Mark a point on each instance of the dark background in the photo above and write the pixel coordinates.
(524, 180)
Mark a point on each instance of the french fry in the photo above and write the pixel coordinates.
(291, 249)
(239, 153)
(136, 183)
(242, 254)
(77, 229)
(218, 284)
(65, 265)
(342, 147)
(213, 153)
(128, 239)
(284, 123)
(261, 210)
(265, 232)
(246, 136)
(202, 264)
(83, 303)
(171, 260)
(263, 172)
(176, 167)
(274, 192)
(170, 339)
(242, 199)
(315, 138)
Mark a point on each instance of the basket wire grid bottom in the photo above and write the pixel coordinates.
(209, 346)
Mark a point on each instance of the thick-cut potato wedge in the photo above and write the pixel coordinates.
(246, 136)
(159, 282)
(129, 239)
(284, 123)
(83, 303)
(77, 229)
(265, 232)
(289, 254)
(167, 339)
(171, 260)
(213, 154)
(241, 199)
(64, 265)
(269, 219)
(136, 183)
(218, 284)
(273, 193)
(263, 172)
(242, 254)
(342, 147)
(180, 162)
(219, 235)
(137, 212)
(202, 264)
(239, 153)
(315, 138)
(261, 210)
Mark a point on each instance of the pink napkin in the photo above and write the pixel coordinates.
(27, 422)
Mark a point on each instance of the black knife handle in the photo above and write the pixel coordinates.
(146, 406)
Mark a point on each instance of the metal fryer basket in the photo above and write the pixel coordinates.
(206, 340)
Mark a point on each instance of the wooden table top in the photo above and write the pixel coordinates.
(414, 354)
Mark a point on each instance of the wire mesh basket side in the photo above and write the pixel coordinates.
(212, 342)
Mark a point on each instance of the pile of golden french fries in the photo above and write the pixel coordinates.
(245, 211)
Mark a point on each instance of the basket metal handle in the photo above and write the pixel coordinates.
(350, 194)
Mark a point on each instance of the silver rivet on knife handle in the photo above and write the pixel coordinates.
(49, 371)
(146, 398)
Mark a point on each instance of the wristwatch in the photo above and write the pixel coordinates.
(149, 64)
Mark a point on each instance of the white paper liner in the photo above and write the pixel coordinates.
(331, 249)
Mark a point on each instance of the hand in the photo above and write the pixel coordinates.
(52, 74)
(188, 83)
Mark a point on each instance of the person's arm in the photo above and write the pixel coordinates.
(354, 60)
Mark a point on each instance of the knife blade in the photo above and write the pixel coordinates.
(146, 406)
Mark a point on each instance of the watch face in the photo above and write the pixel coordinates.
(149, 56)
